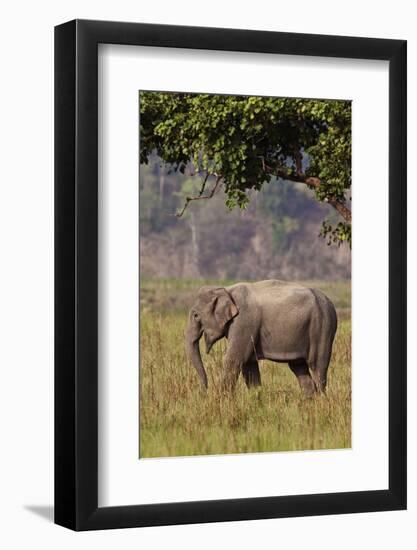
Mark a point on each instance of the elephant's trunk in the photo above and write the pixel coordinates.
(193, 352)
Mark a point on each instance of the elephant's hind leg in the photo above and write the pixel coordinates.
(319, 374)
(300, 369)
(251, 374)
(319, 365)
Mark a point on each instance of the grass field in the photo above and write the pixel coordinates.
(176, 419)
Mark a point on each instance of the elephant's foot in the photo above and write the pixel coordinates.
(320, 379)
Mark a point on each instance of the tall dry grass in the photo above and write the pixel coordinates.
(177, 419)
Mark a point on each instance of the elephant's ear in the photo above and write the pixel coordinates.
(224, 306)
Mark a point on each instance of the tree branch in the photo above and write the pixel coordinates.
(203, 186)
(341, 208)
(200, 195)
(312, 182)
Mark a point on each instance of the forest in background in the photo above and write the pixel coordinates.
(277, 236)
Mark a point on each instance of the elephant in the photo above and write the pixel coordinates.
(276, 320)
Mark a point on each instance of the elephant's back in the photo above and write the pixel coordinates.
(290, 299)
(275, 292)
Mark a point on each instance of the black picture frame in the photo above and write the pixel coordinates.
(76, 272)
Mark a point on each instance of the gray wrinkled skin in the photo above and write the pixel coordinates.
(276, 320)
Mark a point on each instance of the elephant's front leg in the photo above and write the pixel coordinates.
(239, 353)
(251, 374)
(231, 371)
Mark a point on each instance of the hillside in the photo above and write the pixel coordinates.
(276, 237)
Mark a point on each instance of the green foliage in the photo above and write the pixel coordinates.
(246, 140)
(339, 234)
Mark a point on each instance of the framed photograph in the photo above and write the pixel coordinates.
(230, 284)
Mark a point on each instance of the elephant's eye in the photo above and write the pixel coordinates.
(196, 316)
